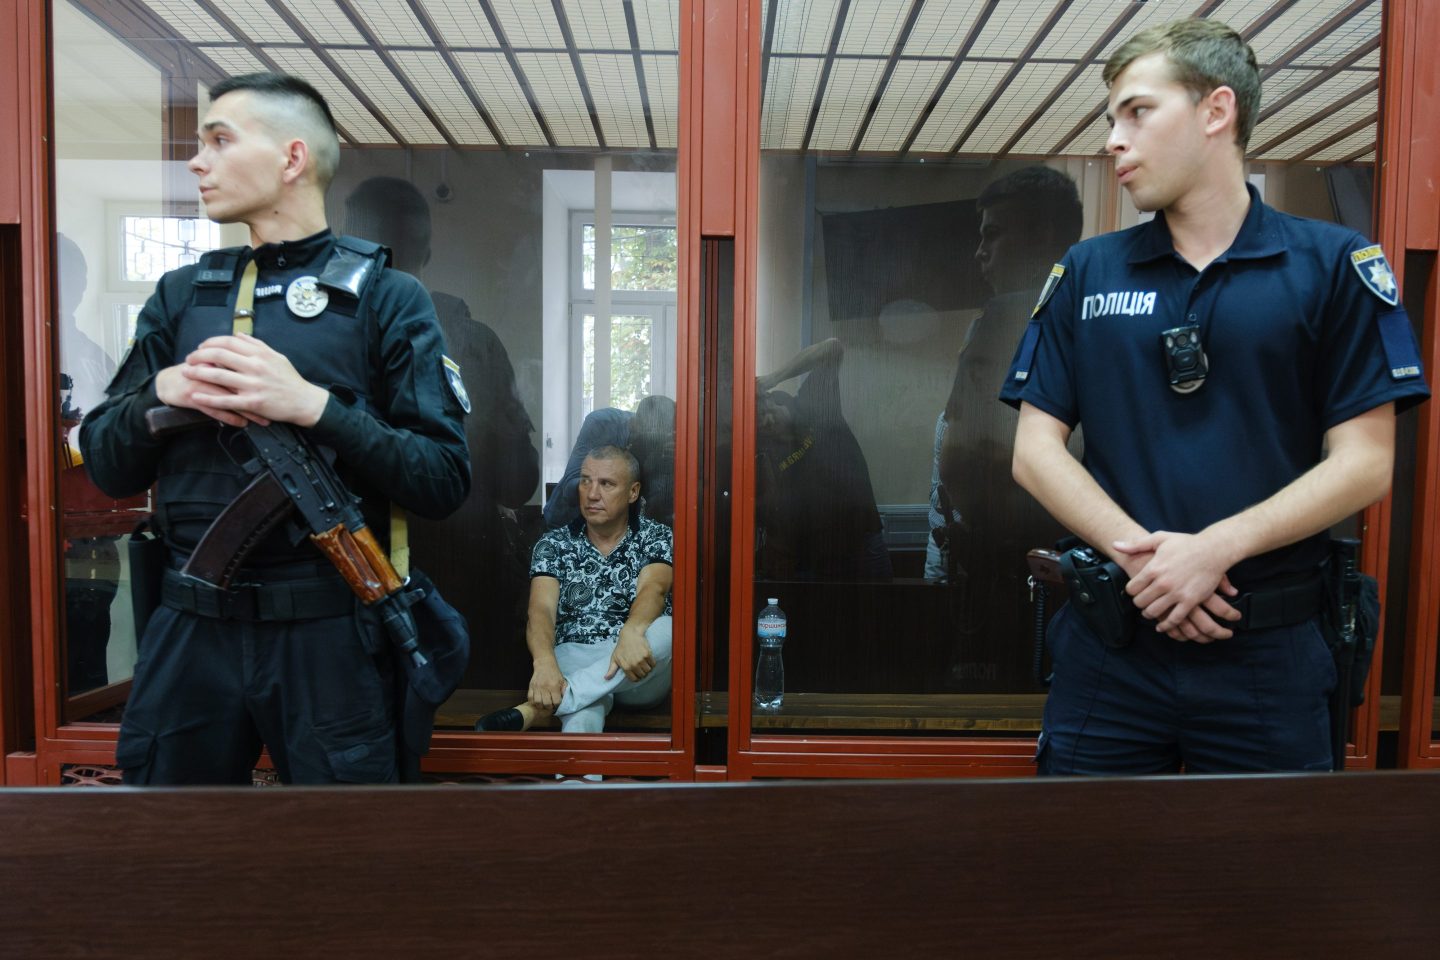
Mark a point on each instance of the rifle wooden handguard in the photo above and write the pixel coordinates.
(360, 561)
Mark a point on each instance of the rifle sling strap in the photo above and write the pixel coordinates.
(244, 322)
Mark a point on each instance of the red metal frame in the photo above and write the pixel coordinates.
(56, 745)
(1409, 185)
(718, 195)
(1410, 26)
(12, 620)
(34, 204)
(767, 755)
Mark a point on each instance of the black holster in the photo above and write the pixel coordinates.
(1097, 591)
(445, 641)
(148, 557)
(1351, 625)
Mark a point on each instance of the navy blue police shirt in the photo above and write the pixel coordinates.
(1303, 330)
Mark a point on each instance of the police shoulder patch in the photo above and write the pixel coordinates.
(1051, 282)
(1369, 262)
(457, 386)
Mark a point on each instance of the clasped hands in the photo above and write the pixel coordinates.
(1178, 580)
(238, 379)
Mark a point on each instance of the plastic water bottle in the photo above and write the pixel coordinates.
(769, 667)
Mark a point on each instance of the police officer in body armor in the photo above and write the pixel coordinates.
(344, 348)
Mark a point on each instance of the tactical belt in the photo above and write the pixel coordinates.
(311, 599)
(1279, 606)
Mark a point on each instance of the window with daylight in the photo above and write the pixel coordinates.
(640, 325)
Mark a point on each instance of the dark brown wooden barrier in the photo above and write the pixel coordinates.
(1320, 866)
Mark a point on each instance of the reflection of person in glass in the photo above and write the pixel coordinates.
(983, 520)
(1028, 219)
(1215, 466)
(475, 556)
(814, 506)
(353, 355)
(648, 433)
(599, 629)
(92, 564)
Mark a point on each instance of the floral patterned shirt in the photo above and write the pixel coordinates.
(596, 591)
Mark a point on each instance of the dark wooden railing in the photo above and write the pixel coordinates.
(1315, 866)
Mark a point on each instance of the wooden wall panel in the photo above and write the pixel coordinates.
(1312, 866)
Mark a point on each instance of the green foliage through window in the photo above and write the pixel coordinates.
(642, 257)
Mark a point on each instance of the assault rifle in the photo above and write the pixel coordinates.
(292, 478)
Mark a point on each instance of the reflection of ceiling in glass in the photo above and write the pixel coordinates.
(467, 73)
(888, 77)
(1022, 77)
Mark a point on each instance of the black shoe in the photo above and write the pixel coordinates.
(508, 720)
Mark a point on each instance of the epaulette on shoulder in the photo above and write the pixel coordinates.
(216, 268)
(353, 265)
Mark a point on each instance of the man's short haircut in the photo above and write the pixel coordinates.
(1048, 198)
(296, 109)
(611, 452)
(1203, 55)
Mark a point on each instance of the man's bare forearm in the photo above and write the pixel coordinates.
(1356, 473)
(1045, 467)
(651, 588)
(826, 351)
(540, 619)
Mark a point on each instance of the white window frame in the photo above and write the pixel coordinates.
(659, 305)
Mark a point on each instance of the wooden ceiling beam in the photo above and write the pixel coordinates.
(1314, 37)
(835, 35)
(508, 49)
(318, 50)
(964, 51)
(422, 16)
(1313, 119)
(256, 51)
(1085, 59)
(378, 48)
(1320, 77)
(890, 65)
(1335, 138)
(633, 29)
(1019, 64)
(574, 50)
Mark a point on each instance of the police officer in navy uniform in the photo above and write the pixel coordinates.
(1237, 372)
(342, 347)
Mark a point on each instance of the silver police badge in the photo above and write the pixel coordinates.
(306, 298)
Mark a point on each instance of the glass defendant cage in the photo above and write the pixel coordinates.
(786, 195)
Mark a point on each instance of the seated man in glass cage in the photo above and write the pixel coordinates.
(599, 617)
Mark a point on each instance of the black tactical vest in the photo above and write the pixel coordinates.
(204, 470)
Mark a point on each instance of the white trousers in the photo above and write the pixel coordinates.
(589, 696)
